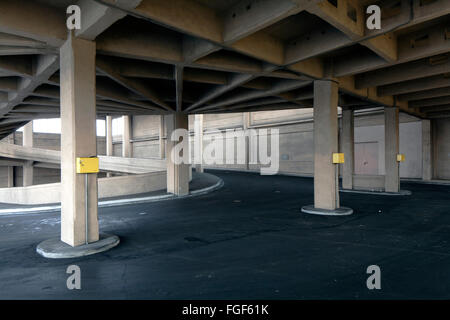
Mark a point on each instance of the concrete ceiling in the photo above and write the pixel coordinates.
(159, 56)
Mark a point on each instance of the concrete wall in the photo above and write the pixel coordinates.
(296, 139)
(410, 146)
(296, 142)
(107, 188)
(441, 150)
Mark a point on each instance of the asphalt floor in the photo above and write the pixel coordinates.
(248, 240)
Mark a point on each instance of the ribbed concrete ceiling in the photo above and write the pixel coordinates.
(156, 57)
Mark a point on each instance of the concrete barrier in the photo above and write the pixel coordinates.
(107, 163)
(368, 182)
(107, 188)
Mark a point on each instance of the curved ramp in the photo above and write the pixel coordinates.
(201, 183)
(107, 163)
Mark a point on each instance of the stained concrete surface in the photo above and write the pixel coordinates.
(245, 241)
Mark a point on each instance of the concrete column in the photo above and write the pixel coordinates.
(10, 170)
(78, 139)
(391, 143)
(245, 126)
(162, 144)
(126, 137)
(177, 174)
(109, 142)
(198, 142)
(348, 148)
(27, 141)
(427, 149)
(326, 194)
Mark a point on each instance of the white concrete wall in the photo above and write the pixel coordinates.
(410, 146)
(296, 141)
(296, 138)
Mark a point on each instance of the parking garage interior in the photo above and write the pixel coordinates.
(361, 119)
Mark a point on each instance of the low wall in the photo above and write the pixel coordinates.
(368, 182)
(107, 188)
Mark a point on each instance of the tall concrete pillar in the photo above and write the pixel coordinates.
(10, 170)
(27, 139)
(78, 139)
(245, 126)
(109, 142)
(325, 144)
(177, 174)
(126, 137)
(348, 148)
(427, 149)
(198, 142)
(162, 144)
(326, 186)
(391, 142)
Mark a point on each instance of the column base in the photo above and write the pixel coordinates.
(56, 249)
(342, 211)
(378, 192)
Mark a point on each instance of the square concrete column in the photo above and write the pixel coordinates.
(78, 139)
(391, 143)
(326, 194)
(126, 137)
(427, 151)
(109, 142)
(245, 126)
(162, 143)
(198, 142)
(10, 169)
(177, 174)
(348, 148)
(27, 141)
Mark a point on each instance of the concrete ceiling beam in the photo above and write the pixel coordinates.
(277, 88)
(428, 94)
(97, 17)
(430, 102)
(43, 67)
(404, 72)
(133, 85)
(413, 46)
(428, 110)
(37, 21)
(421, 84)
(109, 92)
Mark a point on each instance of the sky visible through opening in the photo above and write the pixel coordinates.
(54, 126)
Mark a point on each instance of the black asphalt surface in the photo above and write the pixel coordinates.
(245, 241)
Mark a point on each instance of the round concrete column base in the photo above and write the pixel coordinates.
(56, 249)
(342, 211)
